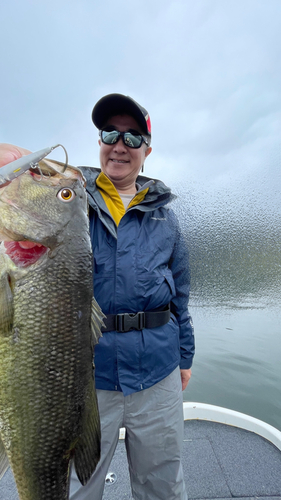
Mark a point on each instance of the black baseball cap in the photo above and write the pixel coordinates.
(116, 104)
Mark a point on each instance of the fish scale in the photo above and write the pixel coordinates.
(48, 406)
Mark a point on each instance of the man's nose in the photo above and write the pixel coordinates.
(119, 145)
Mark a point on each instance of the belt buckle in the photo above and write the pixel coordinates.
(130, 321)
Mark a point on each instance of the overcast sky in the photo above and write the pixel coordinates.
(208, 71)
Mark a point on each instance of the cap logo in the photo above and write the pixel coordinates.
(148, 123)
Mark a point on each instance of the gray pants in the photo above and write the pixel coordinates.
(154, 436)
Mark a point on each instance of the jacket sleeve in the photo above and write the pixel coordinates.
(179, 265)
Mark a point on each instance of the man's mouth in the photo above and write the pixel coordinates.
(119, 161)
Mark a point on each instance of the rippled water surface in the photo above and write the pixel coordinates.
(237, 363)
(233, 229)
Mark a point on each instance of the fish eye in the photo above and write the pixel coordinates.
(66, 194)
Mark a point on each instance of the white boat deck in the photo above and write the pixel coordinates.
(221, 461)
(226, 454)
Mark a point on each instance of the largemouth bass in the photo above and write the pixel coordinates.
(49, 323)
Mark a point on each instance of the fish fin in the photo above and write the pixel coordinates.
(87, 450)
(4, 462)
(96, 321)
(6, 303)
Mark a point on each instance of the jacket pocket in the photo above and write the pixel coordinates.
(155, 290)
(170, 280)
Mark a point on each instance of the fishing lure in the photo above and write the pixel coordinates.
(15, 168)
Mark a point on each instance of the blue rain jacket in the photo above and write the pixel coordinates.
(141, 265)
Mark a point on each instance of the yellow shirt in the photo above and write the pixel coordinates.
(112, 198)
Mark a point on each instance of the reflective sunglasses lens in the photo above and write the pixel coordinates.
(110, 137)
(131, 140)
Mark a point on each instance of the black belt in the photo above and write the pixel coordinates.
(136, 321)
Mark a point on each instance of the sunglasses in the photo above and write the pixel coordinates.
(131, 139)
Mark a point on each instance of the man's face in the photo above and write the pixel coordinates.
(120, 163)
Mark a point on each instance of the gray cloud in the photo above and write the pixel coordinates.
(208, 71)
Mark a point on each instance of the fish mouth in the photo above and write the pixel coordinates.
(24, 253)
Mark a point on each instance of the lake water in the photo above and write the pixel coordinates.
(233, 229)
(237, 363)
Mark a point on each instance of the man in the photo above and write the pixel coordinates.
(141, 282)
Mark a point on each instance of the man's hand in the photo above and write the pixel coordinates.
(185, 376)
(9, 153)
